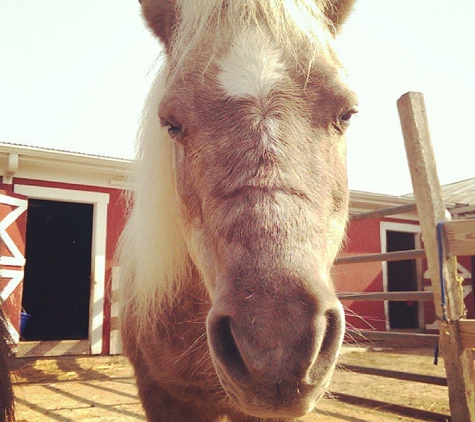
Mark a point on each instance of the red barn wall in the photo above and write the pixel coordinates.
(363, 236)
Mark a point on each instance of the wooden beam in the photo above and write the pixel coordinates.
(428, 195)
(53, 348)
(466, 330)
(459, 237)
(395, 337)
(383, 212)
(393, 296)
(379, 257)
(115, 345)
(472, 269)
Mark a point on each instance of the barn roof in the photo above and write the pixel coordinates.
(38, 151)
(462, 192)
(459, 198)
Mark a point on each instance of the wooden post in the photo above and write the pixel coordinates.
(473, 281)
(115, 340)
(428, 196)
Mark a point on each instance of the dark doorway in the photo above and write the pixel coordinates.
(402, 277)
(57, 285)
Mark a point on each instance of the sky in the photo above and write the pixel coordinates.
(74, 75)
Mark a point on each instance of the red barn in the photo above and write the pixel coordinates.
(397, 232)
(61, 214)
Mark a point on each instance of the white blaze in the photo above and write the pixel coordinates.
(252, 67)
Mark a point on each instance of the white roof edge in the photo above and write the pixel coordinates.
(368, 201)
(62, 166)
(53, 154)
(356, 195)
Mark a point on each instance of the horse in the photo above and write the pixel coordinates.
(6, 356)
(240, 206)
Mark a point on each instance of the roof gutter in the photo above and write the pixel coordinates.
(11, 168)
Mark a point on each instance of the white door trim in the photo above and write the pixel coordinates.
(100, 202)
(15, 274)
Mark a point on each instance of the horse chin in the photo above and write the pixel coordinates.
(286, 400)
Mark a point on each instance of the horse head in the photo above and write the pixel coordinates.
(256, 106)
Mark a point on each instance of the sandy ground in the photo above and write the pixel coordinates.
(102, 389)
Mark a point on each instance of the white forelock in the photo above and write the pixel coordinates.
(252, 67)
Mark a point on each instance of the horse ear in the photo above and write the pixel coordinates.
(337, 11)
(160, 16)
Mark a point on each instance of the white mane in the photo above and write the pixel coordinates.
(153, 255)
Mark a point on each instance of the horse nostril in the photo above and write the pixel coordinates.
(333, 333)
(225, 347)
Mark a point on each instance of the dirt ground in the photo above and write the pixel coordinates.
(70, 389)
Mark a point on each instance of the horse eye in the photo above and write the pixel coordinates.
(346, 117)
(174, 130)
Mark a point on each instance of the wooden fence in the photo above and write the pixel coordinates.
(443, 241)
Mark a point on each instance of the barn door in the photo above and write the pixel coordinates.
(402, 277)
(57, 283)
(12, 257)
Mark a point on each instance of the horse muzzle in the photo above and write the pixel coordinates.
(275, 351)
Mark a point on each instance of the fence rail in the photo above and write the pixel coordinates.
(393, 338)
(384, 212)
(415, 296)
(375, 257)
